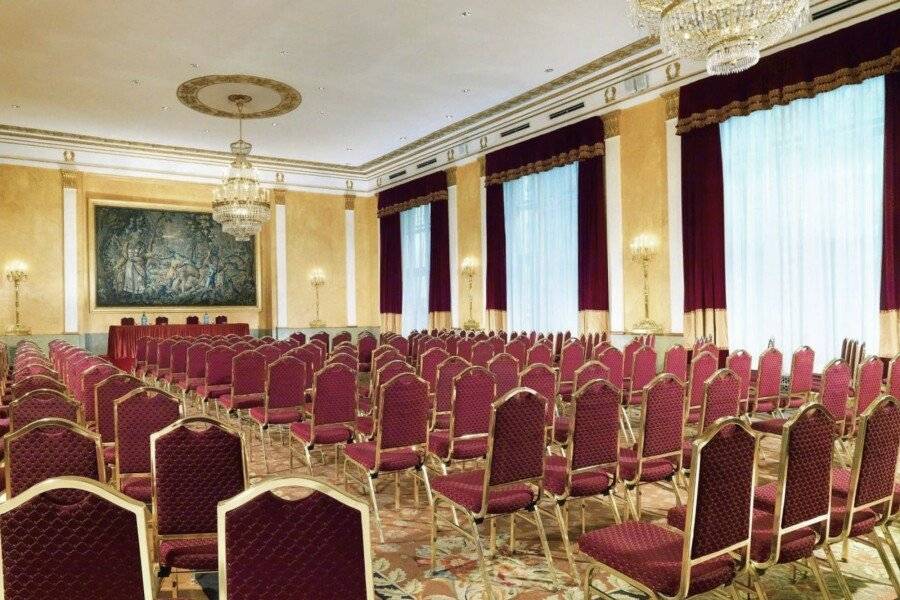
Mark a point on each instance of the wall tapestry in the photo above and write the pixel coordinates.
(167, 258)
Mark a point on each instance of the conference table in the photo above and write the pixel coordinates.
(122, 341)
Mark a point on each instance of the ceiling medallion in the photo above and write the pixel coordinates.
(209, 94)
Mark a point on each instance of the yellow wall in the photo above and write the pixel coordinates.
(645, 207)
(367, 253)
(32, 225)
(468, 215)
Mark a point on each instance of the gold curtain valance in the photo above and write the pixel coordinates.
(574, 155)
(412, 203)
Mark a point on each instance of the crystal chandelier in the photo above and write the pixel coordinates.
(240, 204)
(727, 34)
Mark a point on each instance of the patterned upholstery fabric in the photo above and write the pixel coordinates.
(41, 404)
(196, 554)
(195, 361)
(612, 358)
(87, 548)
(482, 352)
(218, 366)
(325, 434)
(248, 374)
(404, 411)
(570, 360)
(868, 383)
(270, 353)
(138, 416)
(840, 487)
(164, 355)
(35, 382)
(879, 454)
(768, 378)
(651, 555)
(49, 451)
(663, 415)
(652, 470)
(542, 379)
(518, 439)
(721, 398)
(282, 549)
(801, 376)
(585, 483)
(506, 372)
(540, 354)
(809, 461)
(675, 362)
(464, 449)
(642, 372)
(741, 363)
(893, 379)
(285, 383)
(595, 438)
(834, 389)
(702, 368)
(465, 488)
(628, 355)
(390, 460)
(464, 349)
(106, 393)
(89, 381)
(446, 372)
(139, 488)
(473, 395)
(590, 371)
(429, 362)
(241, 402)
(335, 395)
(195, 470)
(275, 416)
(401, 344)
(179, 357)
(518, 349)
(770, 426)
(388, 372)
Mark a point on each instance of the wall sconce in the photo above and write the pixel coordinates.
(469, 268)
(317, 280)
(16, 273)
(644, 248)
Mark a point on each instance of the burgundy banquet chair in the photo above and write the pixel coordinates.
(506, 372)
(283, 399)
(41, 404)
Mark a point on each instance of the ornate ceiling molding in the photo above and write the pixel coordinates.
(288, 98)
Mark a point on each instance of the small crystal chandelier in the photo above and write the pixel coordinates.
(240, 204)
(727, 34)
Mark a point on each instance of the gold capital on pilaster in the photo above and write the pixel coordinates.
(671, 98)
(278, 194)
(69, 178)
(349, 202)
(481, 166)
(451, 176)
(611, 123)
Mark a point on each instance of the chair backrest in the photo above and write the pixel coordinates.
(36, 382)
(403, 412)
(299, 336)
(380, 359)
(592, 370)
(428, 365)
(675, 362)
(192, 471)
(179, 356)
(105, 395)
(628, 353)
(164, 353)
(285, 383)
(721, 397)
(195, 360)
(427, 344)
(720, 496)
(518, 349)
(506, 372)
(516, 440)
(834, 389)
(868, 382)
(270, 352)
(248, 373)
(540, 354)
(50, 448)
(140, 350)
(94, 544)
(464, 349)
(401, 344)
(594, 433)
(741, 363)
(571, 357)
(643, 367)
(388, 372)
(544, 380)
(343, 336)
(366, 343)
(702, 368)
(482, 352)
(218, 365)
(473, 392)
(768, 376)
(322, 549)
(138, 415)
(874, 460)
(662, 417)
(89, 380)
(334, 395)
(802, 370)
(323, 337)
(446, 373)
(41, 404)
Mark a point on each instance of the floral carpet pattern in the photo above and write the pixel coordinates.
(402, 563)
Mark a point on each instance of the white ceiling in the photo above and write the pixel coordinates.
(383, 72)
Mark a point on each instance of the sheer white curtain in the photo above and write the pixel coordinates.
(415, 249)
(803, 210)
(541, 213)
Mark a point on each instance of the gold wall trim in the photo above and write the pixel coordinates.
(451, 176)
(611, 123)
(349, 202)
(671, 98)
(69, 178)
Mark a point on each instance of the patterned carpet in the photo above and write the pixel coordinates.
(402, 562)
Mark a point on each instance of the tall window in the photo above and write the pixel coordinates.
(541, 214)
(415, 248)
(803, 221)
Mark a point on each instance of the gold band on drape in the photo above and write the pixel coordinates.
(412, 203)
(391, 322)
(593, 321)
(539, 166)
(890, 333)
(439, 320)
(706, 322)
(496, 320)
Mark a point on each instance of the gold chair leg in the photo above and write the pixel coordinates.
(492, 536)
(835, 567)
(512, 532)
(488, 590)
(879, 545)
(452, 508)
(732, 591)
(262, 440)
(546, 546)
(817, 573)
(374, 507)
(309, 464)
(615, 506)
(889, 539)
(397, 490)
(433, 538)
(586, 589)
(565, 540)
(760, 593)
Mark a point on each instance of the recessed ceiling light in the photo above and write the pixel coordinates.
(403, 138)
(165, 108)
(274, 123)
(285, 52)
(323, 113)
(15, 106)
(135, 82)
(349, 148)
(321, 88)
(466, 13)
(548, 70)
(195, 66)
(206, 131)
(466, 90)
(448, 117)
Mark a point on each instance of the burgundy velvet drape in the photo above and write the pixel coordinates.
(593, 270)
(391, 263)
(439, 277)
(703, 220)
(890, 254)
(580, 142)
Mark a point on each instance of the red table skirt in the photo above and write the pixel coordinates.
(122, 339)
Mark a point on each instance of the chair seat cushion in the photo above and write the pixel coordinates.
(109, 454)
(241, 401)
(175, 378)
(213, 391)
(442, 420)
(439, 445)
(277, 416)
(4, 426)
(770, 426)
(840, 486)
(693, 415)
(653, 470)
(365, 426)
(397, 459)
(191, 384)
(139, 488)
(863, 521)
(335, 433)
(561, 427)
(585, 483)
(766, 405)
(198, 554)
(795, 545)
(651, 555)
(465, 489)
(796, 400)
